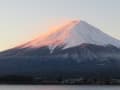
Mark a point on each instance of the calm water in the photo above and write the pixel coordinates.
(46, 87)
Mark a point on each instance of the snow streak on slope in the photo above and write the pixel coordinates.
(73, 34)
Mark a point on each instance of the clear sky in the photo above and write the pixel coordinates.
(20, 20)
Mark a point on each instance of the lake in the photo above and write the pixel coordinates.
(57, 87)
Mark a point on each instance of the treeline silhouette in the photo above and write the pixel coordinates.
(16, 79)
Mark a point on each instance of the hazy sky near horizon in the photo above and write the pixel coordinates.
(20, 20)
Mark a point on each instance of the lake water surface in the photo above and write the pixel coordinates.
(57, 87)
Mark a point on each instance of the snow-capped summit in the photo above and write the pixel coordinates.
(72, 34)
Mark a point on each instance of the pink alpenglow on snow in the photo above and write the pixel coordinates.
(72, 34)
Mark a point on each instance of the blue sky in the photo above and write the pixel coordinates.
(20, 20)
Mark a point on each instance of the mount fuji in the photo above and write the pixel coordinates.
(77, 49)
